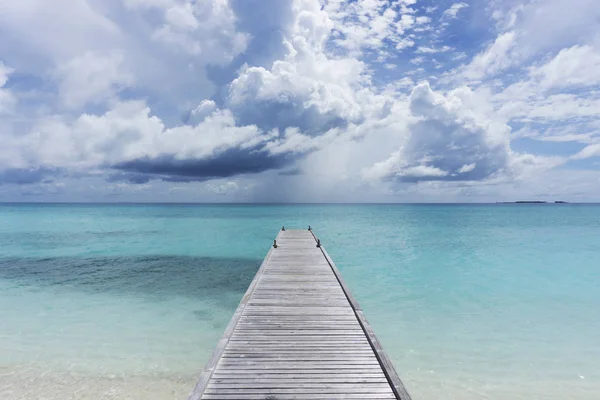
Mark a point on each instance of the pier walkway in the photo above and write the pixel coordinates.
(298, 334)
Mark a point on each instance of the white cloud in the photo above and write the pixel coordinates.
(459, 56)
(128, 132)
(422, 20)
(493, 60)
(557, 107)
(92, 78)
(450, 141)
(149, 3)
(182, 17)
(294, 141)
(63, 29)
(285, 96)
(404, 43)
(318, 93)
(552, 91)
(224, 188)
(306, 92)
(81, 54)
(306, 89)
(203, 110)
(592, 150)
(195, 27)
(432, 50)
(467, 168)
(371, 24)
(577, 66)
(7, 99)
(454, 9)
(555, 24)
(524, 35)
(404, 82)
(4, 72)
(583, 132)
(177, 40)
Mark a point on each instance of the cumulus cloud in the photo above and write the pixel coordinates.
(493, 60)
(7, 99)
(92, 78)
(203, 110)
(197, 27)
(58, 34)
(129, 132)
(366, 25)
(124, 38)
(453, 10)
(432, 50)
(574, 67)
(592, 150)
(307, 92)
(448, 141)
(23, 176)
(224, 188)
(129, 139)
(307, 89)
(283, 97)
(556, 90)
(275, 87)
(553, 108)
(266, 33)
(573, 22)
(523, 36)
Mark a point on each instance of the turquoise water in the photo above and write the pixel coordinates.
(470, 301)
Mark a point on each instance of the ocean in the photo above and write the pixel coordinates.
(127, 301)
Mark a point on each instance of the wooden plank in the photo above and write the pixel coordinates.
(298, 333)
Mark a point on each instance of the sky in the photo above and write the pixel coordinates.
(299, 100)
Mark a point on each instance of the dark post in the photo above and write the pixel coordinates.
(275, 243)
(283, 228)
(318, 242)
(309, 228)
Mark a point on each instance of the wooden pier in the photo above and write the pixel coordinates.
(298, 334)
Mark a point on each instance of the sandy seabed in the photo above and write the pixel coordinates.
(24, 383)
(33, 383)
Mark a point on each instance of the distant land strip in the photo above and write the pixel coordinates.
(531, 202)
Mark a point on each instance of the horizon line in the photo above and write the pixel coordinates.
(520, 202)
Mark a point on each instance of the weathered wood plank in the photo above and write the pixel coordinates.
(298, 334)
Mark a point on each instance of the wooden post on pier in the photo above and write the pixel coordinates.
(298, 333)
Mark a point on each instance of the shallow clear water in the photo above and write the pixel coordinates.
(470, 301)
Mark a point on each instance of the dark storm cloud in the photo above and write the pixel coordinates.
(226, 164)
(291, 172)
(24, 176)
(139, 179)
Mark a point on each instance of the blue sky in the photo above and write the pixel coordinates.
(299, 100)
